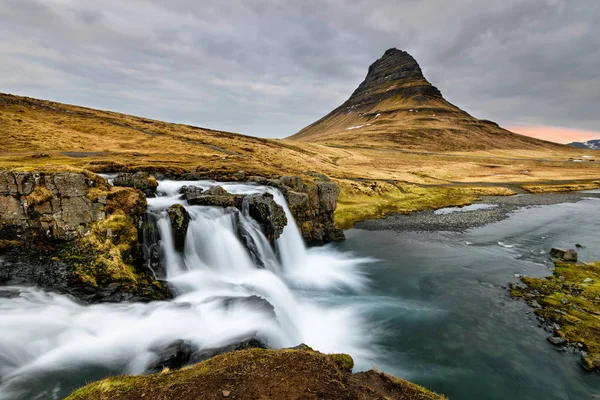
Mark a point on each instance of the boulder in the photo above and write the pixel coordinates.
(180, 220)
(229, 200)
(150, 246)
(569, 255)
(313, 205)
(270, 215)
(174, 355)
(557, 341)
(217, 191)
(139, 180)
(190, 192)
(328, 193)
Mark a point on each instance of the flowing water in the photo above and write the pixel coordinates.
(432, 307)
(50, 344)
(440, 306)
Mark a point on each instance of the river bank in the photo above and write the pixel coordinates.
(487, 210)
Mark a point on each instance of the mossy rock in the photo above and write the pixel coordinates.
(259, 374)
(571, 299)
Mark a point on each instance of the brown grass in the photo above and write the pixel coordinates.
(260, 374)
(79, 138)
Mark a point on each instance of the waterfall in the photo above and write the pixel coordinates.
(50, 344)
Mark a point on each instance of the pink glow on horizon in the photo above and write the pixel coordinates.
(554, 133)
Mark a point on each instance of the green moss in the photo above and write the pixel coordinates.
(344, 361)
(40, 194)
(571, 298)
(367, 200)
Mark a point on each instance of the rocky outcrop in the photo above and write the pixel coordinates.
(190, 192)
(258, 373)
(216, 196)
(140, 180)
(72, 233)
(37, 206)
(564, 254)
(269, 214)
(312, 204)
(180, 220)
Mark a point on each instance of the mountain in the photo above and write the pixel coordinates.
(396, 107)
(590, 144)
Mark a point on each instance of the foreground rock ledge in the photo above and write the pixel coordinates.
(260, 374)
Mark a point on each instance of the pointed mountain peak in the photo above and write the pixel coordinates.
(395, 107)
(395, 73)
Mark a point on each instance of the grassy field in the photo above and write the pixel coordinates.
(39, 134)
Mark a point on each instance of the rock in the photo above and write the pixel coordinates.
(557, 341)
(36, 206)
(174, 355)
(242, 345)
(239, 176)
(313, 206)
(588, 280)
(217, 191)
(569, 255)
(65, 224)
(150, 246)
(180, 220)
(229, 200)
(579, 246)
(191, 192)
(226, 393)
(293, 182)
(328, 196)
(270, 215)
(139, 180)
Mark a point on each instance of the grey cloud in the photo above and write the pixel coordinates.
(269, 68)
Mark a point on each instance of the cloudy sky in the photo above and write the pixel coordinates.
(270, 67)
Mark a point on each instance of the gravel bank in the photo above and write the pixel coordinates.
(489, 209)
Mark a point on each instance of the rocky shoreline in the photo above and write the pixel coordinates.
(567, 306)
(488, 210)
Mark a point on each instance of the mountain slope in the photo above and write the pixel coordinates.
(590, 144)
(396, 107)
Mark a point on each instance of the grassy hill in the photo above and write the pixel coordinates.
(39, 134)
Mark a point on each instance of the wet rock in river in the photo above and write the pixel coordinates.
(569, 255)
(180, 220)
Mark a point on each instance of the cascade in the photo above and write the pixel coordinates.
(226, 290)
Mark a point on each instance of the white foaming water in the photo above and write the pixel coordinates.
(50, 343)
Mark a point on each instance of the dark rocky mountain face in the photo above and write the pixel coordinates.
(396, 73)
(590, 144)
